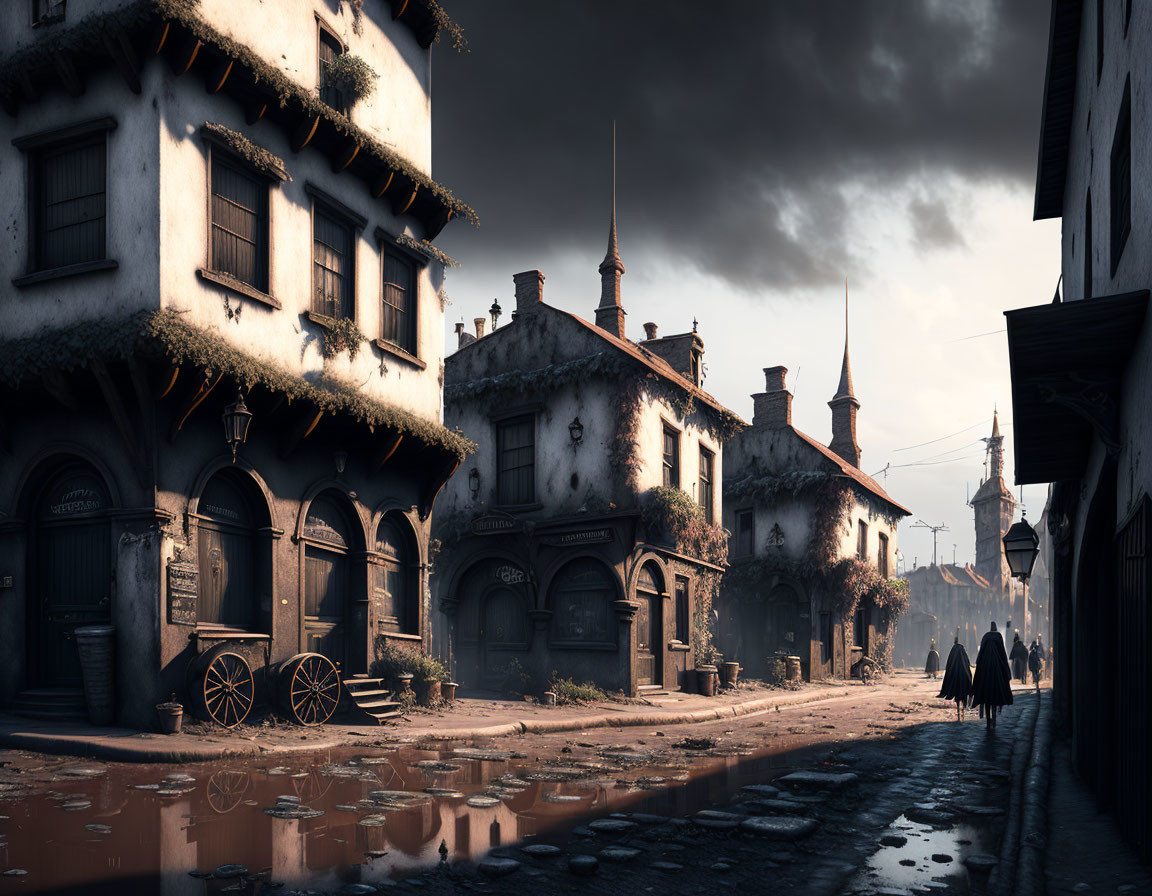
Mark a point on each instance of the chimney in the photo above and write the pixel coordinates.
(460, 334)
(772, 408)
(529, 291)
(649, 330)
(479, 322)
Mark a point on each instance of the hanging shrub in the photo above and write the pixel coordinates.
(352, 76)
(341, 334)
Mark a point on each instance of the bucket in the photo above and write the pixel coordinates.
(792, 664)
(95, 644)
(706, 680)
(688, 683)
(171, 717)
(448, 690)
(730, 672)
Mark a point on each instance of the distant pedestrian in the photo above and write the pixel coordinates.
(992, 683)
(957, 677)
(1035, 663)
(932, 664)
(1019, 659)
(1045, 656)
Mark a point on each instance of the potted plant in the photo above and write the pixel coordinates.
(706, 673)
(428, 674)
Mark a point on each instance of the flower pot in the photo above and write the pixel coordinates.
(706, 680)
(95, 643)
(689, 684)
(428, 693)
(448, 690)
(549, 698)
(402, 681)
(730, 672)
(171, 717)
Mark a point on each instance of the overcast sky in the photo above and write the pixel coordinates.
(766, 151)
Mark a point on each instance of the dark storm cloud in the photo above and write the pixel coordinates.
(932, 225)
(743, 127)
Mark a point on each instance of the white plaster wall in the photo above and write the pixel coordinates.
(1097, 105)
(283, 336)
(283, 33)
(133, 164)
(650, 448)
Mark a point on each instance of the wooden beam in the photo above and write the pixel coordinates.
(254, 111)
(398, 7)
(304, 133)
(384, 450)
(436, 481)
(167, 381)
(118, 46)
(345, 158)
(160, 37)
(192, 401)
(62, 59)
(301, 429)
(438, 223)
(218, 75)
(57, 386)
(116, 408)
(186, 55)
(401, 206)
(382, 183)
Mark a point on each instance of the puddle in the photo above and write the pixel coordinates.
(928, 860)
(331, 819)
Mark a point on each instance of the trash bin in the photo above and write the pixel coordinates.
(96, 646)
(792, 665)
(706, 680)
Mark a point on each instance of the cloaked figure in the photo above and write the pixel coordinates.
(1019, 659)
(957, 678)
(1035, 663)
(932, 664)
(992, 683)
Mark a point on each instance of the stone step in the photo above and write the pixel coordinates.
(53, 704)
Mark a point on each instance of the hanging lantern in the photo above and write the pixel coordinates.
(236, 419)
(1021, 547)
(576, 431)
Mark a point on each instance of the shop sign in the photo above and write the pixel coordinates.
(571, 539)
(494, 525)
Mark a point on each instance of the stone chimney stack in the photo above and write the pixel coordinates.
(649, 330)
(479, 323)
(772, 408)
(529, 291)
(460, 334)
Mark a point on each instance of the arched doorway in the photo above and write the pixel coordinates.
(70, 572)
(787, 628)
(397, 584)
(329, 541)
(493, 631)
(232, 558)
(650, 627)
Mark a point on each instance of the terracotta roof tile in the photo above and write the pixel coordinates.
(854, 473)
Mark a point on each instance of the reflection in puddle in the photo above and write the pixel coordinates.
(330, 819)
(927, 859)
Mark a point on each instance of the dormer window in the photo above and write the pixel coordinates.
(46, 12)
(329, 46)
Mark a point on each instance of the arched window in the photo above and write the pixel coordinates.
(226, 553)
(396, 586)
(581, 599)
(649, 624)
(328, 540)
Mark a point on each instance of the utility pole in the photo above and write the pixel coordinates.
(920, 524)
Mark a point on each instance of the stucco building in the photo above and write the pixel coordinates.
(1081, 370)
(813, 541)
(583, 537)
(205, 222)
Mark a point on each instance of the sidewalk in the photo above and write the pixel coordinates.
(466, 719)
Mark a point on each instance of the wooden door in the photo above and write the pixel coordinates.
(326, 603)
(503, 634)
(648, 628)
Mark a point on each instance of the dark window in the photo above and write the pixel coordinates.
(862, 540)
(1088, 246)
(1099, 38)
(399, 306)
(1121, 180)
(705, 487)
(683, 612)
(45, 12)
(329, 47)
(239, 223)
(825, 637)
(882, 556)
(860, 629)
(516, 459)
(745, 533)
(581, 599)
(671, 458)
(226, 554)
(333, 264)
(396, 594)
(69, 202)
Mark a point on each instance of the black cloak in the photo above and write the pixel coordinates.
(932, 664)
(1019, 659)
(1035, 659)
(957, 676)
(992, 683)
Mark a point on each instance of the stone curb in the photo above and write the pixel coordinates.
(100, 747)
(1030, 876)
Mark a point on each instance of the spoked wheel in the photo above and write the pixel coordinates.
(222, 686)
(226, 790)
(309, 688)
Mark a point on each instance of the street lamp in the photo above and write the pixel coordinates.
(1021, 547)
(236, 419)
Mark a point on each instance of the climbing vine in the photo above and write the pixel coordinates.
(350, 74)
(340, 334)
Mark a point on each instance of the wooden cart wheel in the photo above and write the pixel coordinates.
(226, 790)
(309, 688)
(222, 686)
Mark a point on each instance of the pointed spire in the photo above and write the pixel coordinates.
(844, 405)
(995, 423)
(610, 312)
(844, 390)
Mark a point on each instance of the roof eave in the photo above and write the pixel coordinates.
(1058, 108)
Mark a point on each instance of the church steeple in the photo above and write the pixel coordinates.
(610, 313)
(996, 449)
(844, 405)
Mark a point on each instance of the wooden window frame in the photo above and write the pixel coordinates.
(217, 152)
(671, 473)
(1120, 177)
(500, 422)
(707, 464)
(882, 555)
(323, 30)
(861, 540)
(333, 209)
(737, 550)
(40, 19)
(388, 245)
(682, 614)
(33, 146)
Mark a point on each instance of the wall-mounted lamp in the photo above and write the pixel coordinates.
(495, 312)
(576, 431)
(474, 482)
(236, 419)
(341, 459)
